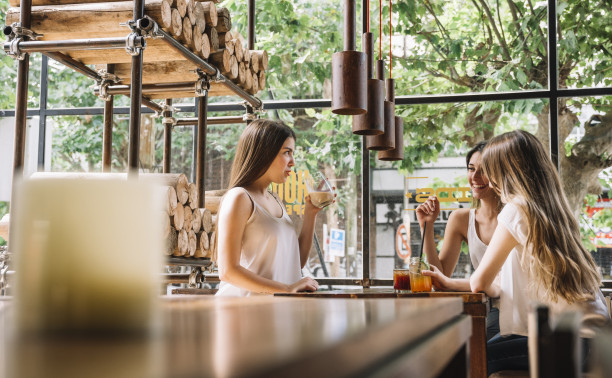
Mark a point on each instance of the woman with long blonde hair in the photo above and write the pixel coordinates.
(258, 250)
(536, 246)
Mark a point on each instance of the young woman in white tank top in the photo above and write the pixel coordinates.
(258, 250)
(474, 226)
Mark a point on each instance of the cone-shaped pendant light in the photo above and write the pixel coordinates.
(398, 152)
(349, 76)
(371, 123)
(385, 141)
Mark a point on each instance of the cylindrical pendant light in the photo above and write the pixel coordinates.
(398, 152)
(385, 141)
(371, 123)
(349, 71)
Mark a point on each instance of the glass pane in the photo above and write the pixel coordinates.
(443, 47)
(436, 140)
(584, 45)
(324, 143)
(586, 174)
(300, 37)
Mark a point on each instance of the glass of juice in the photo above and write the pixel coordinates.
(418, 282)
(401, 280)
(320, 190)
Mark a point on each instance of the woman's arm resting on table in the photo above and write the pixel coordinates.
(497, 252)
(233, 216)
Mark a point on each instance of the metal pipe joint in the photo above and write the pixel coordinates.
(16, 34)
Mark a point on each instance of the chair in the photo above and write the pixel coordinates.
(554, 351)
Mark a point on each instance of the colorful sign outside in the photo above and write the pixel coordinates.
(292, 192)
(337, 241)
(603, 238)
(402, 241)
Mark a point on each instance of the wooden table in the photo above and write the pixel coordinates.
(474, 304)
(262, 337)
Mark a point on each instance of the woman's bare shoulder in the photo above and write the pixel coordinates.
(458, 221)
(236, 199)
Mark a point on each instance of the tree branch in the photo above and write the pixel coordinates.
(502, 42)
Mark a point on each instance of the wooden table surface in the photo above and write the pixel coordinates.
(260, 336)
(474, 304)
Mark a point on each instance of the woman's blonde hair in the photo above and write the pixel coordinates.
(521, 172)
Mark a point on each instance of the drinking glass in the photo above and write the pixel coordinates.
(418, 282)
(320, 190)
(401, 280)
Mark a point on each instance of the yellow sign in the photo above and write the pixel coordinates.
(292, 192)
(457, 194)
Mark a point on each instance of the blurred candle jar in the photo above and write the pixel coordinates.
(88, 256)
(418, 282)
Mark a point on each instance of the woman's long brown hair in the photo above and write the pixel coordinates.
(257, 148)
(521, 172)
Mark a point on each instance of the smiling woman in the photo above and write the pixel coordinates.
(475, 226)
(258, 249)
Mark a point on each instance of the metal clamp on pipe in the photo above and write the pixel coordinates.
(148, 27)
(103, 90)
(251, 111)
(169, 121)
(134, 44)
(202, 85)
(195, 278)
(15, 34)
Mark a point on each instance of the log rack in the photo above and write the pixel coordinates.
(22, 40)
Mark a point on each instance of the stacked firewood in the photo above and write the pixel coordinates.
(206, 29)
(189, 231)
(198, 24)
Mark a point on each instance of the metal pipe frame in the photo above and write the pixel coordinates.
(135, 98)
(149, 88)
(365, 173)
(227, 120)
(200, 155)
(21, 104)
(251, 25)
(167, 114)
(42, 119)
(69, 45)
(209, 69)
(107, 134)
(553, 83)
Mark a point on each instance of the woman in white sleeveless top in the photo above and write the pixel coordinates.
(258, 250)
(475, 226)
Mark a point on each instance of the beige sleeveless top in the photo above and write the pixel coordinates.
(269, 249)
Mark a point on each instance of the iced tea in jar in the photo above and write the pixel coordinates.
(418, 282)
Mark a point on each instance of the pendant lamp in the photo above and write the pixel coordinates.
(397, 153)
(371, 123)
(349, 71)
(385, 141)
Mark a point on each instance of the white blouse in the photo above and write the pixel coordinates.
(517, 296)
(269, 249)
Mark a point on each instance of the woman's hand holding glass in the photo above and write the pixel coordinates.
(320, 192)
(439, 281)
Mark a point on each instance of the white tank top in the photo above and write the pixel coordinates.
(269, 249)
(476, 246)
